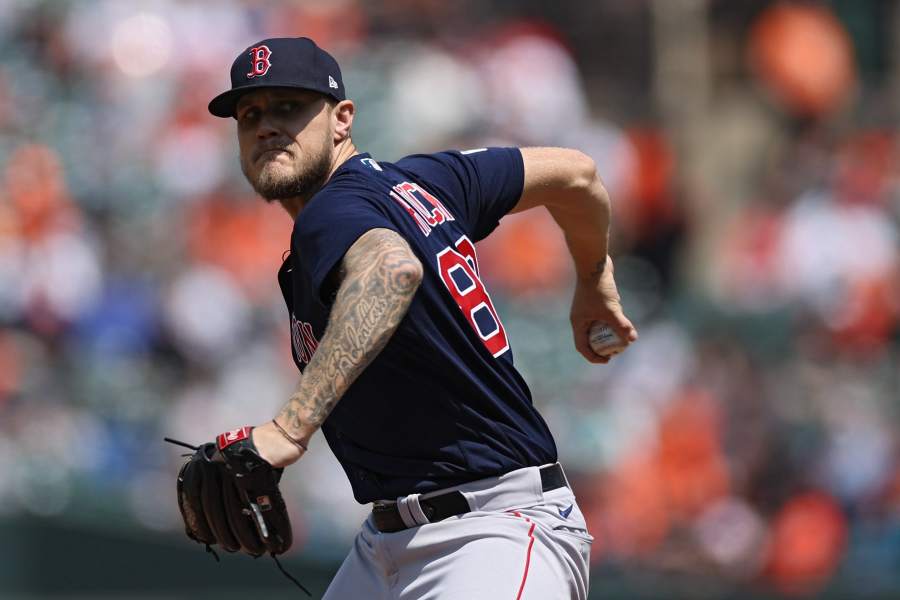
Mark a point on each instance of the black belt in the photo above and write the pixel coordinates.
(387, 517)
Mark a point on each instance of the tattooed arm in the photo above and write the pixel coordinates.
(378, 278)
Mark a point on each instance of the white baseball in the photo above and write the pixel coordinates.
(604, 341)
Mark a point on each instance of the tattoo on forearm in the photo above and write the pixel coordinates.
(380, 276)
(599, 268)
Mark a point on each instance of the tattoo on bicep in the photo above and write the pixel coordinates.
(380, 276)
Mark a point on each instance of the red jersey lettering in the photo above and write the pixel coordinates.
(413, 199)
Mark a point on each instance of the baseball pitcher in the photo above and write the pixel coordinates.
(406, 366)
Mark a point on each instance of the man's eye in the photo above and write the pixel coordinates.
(286, 108)
(249, 115)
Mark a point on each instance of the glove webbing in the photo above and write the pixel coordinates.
(213, 552)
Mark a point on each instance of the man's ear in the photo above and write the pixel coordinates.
(342, 113)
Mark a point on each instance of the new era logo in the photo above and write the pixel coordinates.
(332, 83)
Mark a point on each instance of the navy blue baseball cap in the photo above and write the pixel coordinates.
(280, 62)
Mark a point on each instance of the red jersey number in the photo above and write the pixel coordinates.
(459, 270)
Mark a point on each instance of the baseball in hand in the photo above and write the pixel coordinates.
(604, 341)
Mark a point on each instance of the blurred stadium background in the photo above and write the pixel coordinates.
(747, 447)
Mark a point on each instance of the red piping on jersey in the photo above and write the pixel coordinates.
(527, 555)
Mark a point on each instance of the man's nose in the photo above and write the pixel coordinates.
(266, 127)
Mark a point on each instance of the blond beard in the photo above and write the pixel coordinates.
(273, 185)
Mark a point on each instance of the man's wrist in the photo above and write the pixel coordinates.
(594, 272)
(273, 447)
(304, 447)
(295, 428)
(299, 417)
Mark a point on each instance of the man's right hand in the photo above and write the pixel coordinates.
(597, 299)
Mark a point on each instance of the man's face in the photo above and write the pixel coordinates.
(286, 141)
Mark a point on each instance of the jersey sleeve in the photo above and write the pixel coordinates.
(327, 228)
(480, 185)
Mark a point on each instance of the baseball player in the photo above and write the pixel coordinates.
(406, 366)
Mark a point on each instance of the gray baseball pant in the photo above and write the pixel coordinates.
(517, 543)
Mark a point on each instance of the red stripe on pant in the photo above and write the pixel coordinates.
(527, 554)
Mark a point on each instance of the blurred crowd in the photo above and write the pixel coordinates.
(749, 438)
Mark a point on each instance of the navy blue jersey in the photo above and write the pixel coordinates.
(442, 404)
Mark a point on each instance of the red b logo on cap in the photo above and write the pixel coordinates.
(260, 61)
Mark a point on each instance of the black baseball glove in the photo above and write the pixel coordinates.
(228, 495)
